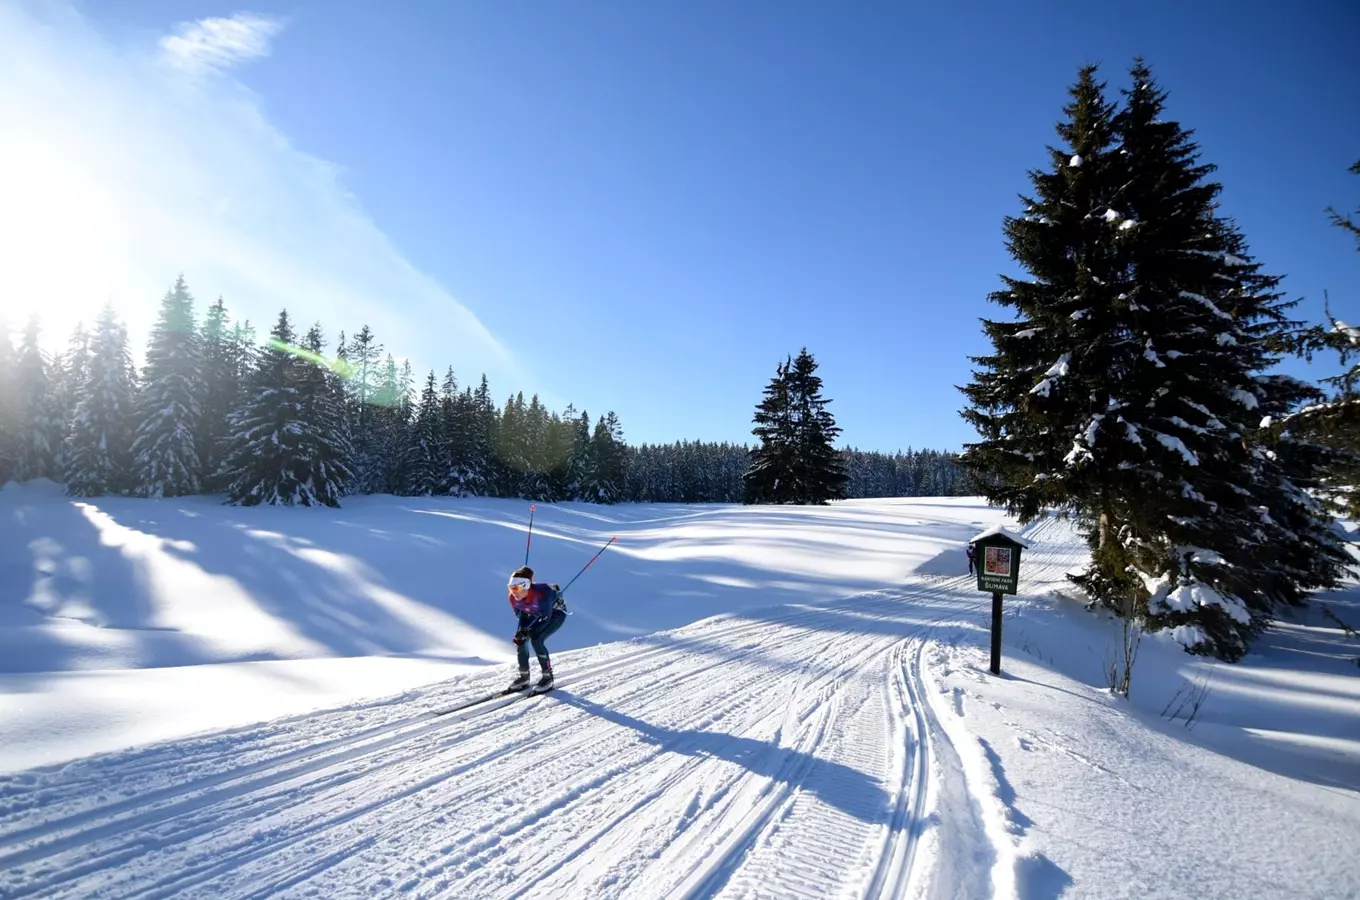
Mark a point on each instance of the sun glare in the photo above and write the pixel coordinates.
(62, 234)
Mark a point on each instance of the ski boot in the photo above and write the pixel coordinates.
(521, 681)
(545, 683)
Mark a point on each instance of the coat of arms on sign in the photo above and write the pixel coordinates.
(997, 561)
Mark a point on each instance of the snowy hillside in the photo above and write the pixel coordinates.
(773, 702)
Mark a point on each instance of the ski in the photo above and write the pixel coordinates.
(480, 700)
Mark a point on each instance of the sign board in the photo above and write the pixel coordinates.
(998, 571)
(998, 565)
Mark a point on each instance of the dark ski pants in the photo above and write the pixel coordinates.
(538, 633)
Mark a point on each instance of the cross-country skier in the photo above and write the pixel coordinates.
(972, 558)
(541, 612)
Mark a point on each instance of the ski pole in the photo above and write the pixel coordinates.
(587, 565)
(531, 534)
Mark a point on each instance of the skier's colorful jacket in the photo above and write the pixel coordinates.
(538, 603)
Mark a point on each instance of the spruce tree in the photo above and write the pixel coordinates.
(1127, 389)
(69, 374)
(795, 461)
(40, 422)
(399, 427)
(166, 461)
(767, 480)
(100, 443)
(11, 417)
(244, 356)
(535, 482)
(364, 357)
(386, 421)
(511, 449)
(481, 472)
(580, 459)
(426, 464)
(1217, 530)
(1330, 423)
(221, 392)
(452, 426)
(1333, 422)
(1304, 552)
(818, 472)
(325, 452)
(263, 466)
(561, 434)
(609, 472)
(1049, 373)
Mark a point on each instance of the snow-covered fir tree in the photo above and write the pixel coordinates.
(426, 464)
(221, 377)
(279, 455)
(608, 472)
(580, 456)
(399, 425)
(244, 354)
(772, 459)
(11, 420)
(1049, 366)
(534, 439)
(69, 372)
(464, 437)
(99, 446)
(511, 447)
(452, 424)
(166, 460)
(325, 450)
(1304, 552)
(795, 461)
(1216, 529)
(363, 357)
(386, 429)
(1128, 386)
(40, 421)
(819, 471)
(558, 452)
(480, 470)
(1329, 425)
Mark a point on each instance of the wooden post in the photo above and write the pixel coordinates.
(996, 632)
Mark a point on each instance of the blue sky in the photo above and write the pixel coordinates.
(644, 207)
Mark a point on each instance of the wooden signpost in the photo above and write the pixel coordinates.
(998, 571)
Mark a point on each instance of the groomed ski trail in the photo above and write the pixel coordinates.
(779, 753)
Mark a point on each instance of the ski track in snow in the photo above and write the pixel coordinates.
(795, 752)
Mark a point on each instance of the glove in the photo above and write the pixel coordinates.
(520, 637)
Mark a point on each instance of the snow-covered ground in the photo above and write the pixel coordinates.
(198, 700)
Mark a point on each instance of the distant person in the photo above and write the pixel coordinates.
(541, 612)
(972, 558)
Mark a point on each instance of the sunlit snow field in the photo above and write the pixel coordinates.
(739, 681)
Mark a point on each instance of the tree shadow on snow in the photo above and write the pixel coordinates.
(835, 784)
(70, 596)
(1039, 878)
(892, 615)
(311, 579)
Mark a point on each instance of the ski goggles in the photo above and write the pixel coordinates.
(519, 585)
